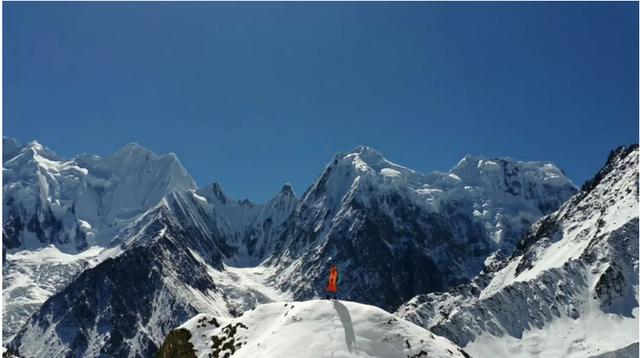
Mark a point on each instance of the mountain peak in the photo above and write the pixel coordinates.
(215, 189)
(287, 189)
(367, 154)
(132, 148)
(365, 150)
(470, 158)
(35, 145)
(614, 157)
(364, 158)
(134, 157)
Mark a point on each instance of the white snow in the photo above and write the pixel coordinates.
(57, 166)
(318, 328)
(251, 278)
(84, 225)
(391, 173)
(590, 334)
(31, 277)
(244, 287)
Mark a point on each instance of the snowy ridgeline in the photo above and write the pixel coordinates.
(85, 201)
(569, 290)
(317, 328)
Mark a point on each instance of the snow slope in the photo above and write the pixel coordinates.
(317, 328)
(31, 277)
(570, 289)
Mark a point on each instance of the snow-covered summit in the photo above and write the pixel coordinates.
(368, 161)
(506, 180)
(542, 182)
(478, 168)
(132, 149)
(316, 328)
(82, 201)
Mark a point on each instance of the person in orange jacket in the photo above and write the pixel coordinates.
(334, 279)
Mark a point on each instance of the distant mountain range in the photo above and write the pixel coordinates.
(105, 256)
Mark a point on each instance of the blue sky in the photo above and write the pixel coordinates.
(253, 95)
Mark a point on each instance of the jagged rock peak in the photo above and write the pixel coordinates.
(614, 157)
(216, 189)
(287, 189)
(134, 149)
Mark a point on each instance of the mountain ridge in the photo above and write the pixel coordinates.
(578, 264)
(362, 206)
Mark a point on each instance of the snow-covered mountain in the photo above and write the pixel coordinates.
(59, 214)
(317, 328)
(163, 268)
(119, 306)
(570, 288)
(395, 233)
(77, 203)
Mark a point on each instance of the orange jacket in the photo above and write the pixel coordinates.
(333, 280)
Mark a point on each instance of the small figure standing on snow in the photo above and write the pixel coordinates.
(334, 279)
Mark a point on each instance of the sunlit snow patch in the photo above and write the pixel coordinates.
(390, 173)
(317, 328)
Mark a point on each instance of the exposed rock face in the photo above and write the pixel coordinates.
(177, 345)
